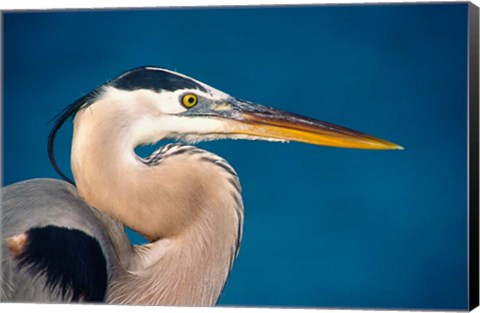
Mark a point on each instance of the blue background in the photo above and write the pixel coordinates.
(324, 227)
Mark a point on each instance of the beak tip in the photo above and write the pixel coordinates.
(393, 146)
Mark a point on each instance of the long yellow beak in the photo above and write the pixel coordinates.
(259, 121)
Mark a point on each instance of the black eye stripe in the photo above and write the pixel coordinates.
(154, 79)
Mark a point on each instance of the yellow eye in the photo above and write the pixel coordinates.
(189, 100)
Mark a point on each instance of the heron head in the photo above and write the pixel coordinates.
(171, 105)
(157, 103)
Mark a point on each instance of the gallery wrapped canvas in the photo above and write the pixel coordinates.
(115, 119)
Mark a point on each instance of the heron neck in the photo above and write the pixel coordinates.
(188, 204)
(190, 270)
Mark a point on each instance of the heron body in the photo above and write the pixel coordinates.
(66, 243)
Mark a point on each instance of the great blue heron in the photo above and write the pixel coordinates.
(62, 243)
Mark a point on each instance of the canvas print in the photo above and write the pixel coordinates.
(315, 156)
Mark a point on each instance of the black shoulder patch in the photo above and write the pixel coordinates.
(71, 261)
(154, 78)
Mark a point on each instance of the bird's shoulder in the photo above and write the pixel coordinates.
(54, 246)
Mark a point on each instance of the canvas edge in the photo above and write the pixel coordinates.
(473, 227)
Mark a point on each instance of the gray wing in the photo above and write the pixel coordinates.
(56, 248)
